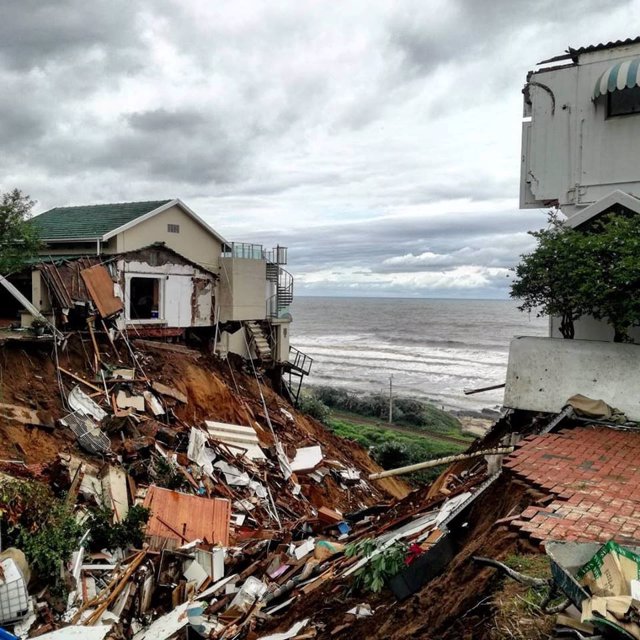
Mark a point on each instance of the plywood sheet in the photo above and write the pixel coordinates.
(100, 287)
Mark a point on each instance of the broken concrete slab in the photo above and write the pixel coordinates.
(126, 401)
(307, 459)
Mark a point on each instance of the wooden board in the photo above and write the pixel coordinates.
(100, 287)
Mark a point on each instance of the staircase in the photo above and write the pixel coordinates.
(258, 340)
(279, 303)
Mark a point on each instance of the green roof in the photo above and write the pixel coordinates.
(91, 221)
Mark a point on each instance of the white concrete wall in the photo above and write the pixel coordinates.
(282, 335)
(178, 292)
(588, 328)
(543, 373)
(574, 153)
(233, 343)
(241, 289)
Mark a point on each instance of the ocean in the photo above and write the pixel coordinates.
(434, 349)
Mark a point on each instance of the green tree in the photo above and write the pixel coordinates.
(592, 272)
(551, 279)
(615, 248)
(18, 239)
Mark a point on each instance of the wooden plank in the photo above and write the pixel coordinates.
(100, 287)
(79, 379)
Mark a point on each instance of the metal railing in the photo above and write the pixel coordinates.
(277, 255)
(300, 361)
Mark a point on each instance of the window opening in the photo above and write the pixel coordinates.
(144, 298)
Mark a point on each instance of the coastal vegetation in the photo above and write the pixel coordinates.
(419, 432)
(406, 411)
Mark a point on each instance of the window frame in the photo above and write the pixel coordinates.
(161, 319)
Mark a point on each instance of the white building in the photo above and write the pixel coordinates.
(581, 141)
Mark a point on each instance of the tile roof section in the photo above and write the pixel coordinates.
(594, 475)
(91, 221)
(192, 517)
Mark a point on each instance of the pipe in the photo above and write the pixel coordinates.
(439, 461)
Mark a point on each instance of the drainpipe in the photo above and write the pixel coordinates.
(97, 246)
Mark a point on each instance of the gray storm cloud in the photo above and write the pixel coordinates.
(378, 140)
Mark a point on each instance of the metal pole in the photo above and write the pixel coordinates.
(391, 398)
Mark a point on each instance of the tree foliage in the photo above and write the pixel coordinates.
(573, 273)
(18, 239)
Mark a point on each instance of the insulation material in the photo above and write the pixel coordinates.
(307, 459)
(100, 287)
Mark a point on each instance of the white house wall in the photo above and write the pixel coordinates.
(242, 289)
(588, 328)
(571, 151)
(186, 293)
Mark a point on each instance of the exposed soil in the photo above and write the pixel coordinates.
(216, 390)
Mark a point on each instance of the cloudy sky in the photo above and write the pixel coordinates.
(379, 140)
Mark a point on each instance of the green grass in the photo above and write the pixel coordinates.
(392, 449)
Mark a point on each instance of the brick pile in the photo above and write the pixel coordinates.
(592, 477)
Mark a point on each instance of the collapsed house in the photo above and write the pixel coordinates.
(174, 276)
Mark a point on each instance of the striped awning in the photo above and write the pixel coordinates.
(622, 75)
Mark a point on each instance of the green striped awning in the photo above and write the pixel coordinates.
(622, 75)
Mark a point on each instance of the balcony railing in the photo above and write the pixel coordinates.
(277, 255)
(244, 250)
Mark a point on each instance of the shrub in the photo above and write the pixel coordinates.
(313, 406)
(128, 533)
(381, 567)
(42, 526)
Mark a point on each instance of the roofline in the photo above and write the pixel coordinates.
(90, 239)
(615, 197)
(172, 203)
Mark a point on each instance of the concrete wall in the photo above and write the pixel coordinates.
(571, 151)
(543, 373)
(40, 297)
(186, 293)
(241, 290)
(193, 241)
(233, 343)
(588, 328)
(282, 334)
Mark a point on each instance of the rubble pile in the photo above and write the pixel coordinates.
(200, 501)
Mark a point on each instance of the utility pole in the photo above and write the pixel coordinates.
(391, 398)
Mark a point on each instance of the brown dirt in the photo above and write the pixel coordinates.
(27, 378)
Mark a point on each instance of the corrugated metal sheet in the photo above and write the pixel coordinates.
(183, 517)
(100, 287)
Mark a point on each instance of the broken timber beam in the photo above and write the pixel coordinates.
(439, 461)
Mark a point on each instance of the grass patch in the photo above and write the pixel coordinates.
(406, 411)
(517, 609)
(391, 449)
